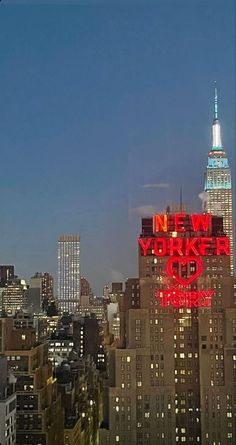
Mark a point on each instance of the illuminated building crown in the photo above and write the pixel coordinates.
(216, 134)
(217, 158)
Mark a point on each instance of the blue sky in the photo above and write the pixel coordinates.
(105, 111)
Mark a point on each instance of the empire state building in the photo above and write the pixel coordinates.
(218, 184)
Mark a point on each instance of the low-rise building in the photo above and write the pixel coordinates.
(7, 405)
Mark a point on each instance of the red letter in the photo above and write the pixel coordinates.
(201, 222)
(160, 250)
(176, 246)
(179, 222)
(160, 223)
(190, 247)
(144, 246)
(205, 243)
(222, 245)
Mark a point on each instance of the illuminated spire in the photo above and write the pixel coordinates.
(216, 136)
(216, 104)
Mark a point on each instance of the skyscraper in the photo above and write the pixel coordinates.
(218, 185)
(69, 272)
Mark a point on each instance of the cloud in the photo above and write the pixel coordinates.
(204, 197)
(117, 276)
(146, 210)
(160, 185)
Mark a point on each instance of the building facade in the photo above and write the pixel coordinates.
(69, 273)
(39, 417)
(218, 183)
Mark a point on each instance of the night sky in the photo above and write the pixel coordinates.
(105, 112)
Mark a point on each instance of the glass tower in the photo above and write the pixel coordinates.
(218, 185)
(69, 272)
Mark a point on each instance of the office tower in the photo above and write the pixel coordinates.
(6, 273)
(14, 296)
(44, 282)
(218, 198)
(47, 286)
(39, 414)
(173, 378)
(7, 405)
(40, 292)
(69, 273)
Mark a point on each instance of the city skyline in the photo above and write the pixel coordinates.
(135, 101)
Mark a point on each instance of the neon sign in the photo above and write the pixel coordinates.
(176, 274)
(187, 299)
(184, 255)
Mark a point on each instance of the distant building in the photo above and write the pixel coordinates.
(106, 292)
(14, 296)
(6, 273)
(90, 306)
(116, 287)
(85, 288)
(68, 273)
(43, 282)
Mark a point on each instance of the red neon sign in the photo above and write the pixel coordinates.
(199, 246)
(199, 222)
(184, 264)
(176, 273)
(178, 298)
